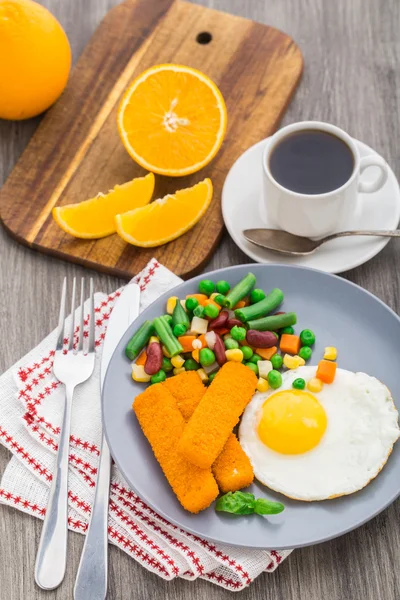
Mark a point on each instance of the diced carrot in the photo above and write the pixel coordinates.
(186, 342)
(196, 355)
(141, 359)
(209, 301)
(326, 371)
(200, 297)
(240, 304)
(290, 343)
(266, 353)
(202, 339)
(221, 330)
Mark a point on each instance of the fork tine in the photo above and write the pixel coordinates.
(80, 343)
(91, 318)
(72, 331)
(61, 318)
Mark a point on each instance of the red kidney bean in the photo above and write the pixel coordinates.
(261, 339)
(280, 313)
(154, 358)
(219, 351)
(219, 321)
(232, 322)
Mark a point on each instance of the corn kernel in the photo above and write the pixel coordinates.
(264, 367)
(165, 352)
(330, 353)
(315, 385)
(177, 361)
(235, 355)
(302, 362)
(199, 325)
(183, 304)
(154, 338)
(178, 371)
(139, 374)
(197, 345)
(262, 385)
(292, 362)
(203, 375)
(171, 304)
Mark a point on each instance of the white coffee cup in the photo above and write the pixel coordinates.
(317, 215)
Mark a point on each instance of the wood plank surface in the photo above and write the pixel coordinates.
(77, 152)
(351, 78)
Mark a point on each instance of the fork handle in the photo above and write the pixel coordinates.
(91, 580)
(52, 552)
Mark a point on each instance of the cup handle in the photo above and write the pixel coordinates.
(373, 186)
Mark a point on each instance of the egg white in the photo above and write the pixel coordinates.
(362, 428)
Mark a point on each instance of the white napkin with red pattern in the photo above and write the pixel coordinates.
(31, 404)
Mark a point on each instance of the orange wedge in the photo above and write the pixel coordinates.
(167, 218)
(95, 218)
(172, 120)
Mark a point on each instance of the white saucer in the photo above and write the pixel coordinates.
(243, 208)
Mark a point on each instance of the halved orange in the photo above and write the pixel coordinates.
(167, 218)
(95, 218)
(172, 120)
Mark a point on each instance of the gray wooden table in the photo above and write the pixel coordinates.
(351, 78)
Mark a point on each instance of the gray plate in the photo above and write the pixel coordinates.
(367, 335)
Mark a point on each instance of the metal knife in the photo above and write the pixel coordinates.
(91, 579)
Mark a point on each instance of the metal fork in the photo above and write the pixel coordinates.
(71, 369)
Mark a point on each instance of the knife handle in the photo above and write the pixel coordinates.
(91, 580)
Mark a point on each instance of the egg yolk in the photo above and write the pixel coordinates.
(292, 422)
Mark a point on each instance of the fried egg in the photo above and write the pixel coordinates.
(315, 446)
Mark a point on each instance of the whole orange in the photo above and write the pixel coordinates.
(35, 59)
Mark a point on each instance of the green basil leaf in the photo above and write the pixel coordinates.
(237, 503)
(266, 507)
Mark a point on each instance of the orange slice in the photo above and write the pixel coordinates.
(172, 120)
(95, 218)
(167, 218)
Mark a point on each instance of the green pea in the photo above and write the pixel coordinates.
(223, 287)
(274, 379)
(191, 365)
(255, 358)
(211, 311)
(211, 377)
(247, 352)
(276, 361)
(191, 303)
(231, 344)
(199, 311)
(168, 318)
(206, 286)
(256, 295)
(166, 364)
(299, 384)
(219, 299)
(305, 352)
(179, 329)
(288, 330)
(307, 337)
(238, 333)
(252, 366)
(207, 357)
(159, 377)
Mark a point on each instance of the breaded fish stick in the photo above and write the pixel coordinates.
(163, 424)
(232, 469)
(217, 414)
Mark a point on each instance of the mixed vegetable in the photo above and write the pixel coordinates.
(219, 324)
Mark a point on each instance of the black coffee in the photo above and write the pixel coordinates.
(311, 162)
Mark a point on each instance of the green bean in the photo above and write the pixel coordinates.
(167, 337)
(139, 340)
(240, 290)
(261, 308)
(274, 322)
(180, 316)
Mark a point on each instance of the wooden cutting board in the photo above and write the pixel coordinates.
(76, 151)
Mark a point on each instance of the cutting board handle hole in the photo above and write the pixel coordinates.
(204, 37)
